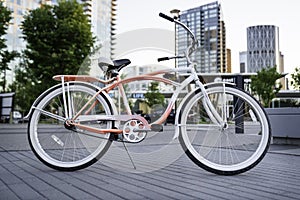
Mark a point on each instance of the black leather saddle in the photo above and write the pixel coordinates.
(119, 64)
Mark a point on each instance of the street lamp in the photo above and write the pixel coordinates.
(175, 13)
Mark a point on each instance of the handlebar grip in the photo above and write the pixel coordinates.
(166, 17)
(163, 59)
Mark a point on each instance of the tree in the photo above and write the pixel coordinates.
(264, 85)
(5, 56)
(58, 39)
(296, 78)
(153, 96)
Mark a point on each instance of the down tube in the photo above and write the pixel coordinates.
(147, 77)
(173, 99)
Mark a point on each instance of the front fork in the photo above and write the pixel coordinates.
(210, 108)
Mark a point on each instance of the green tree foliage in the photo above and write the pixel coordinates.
(264, 85)
(153, 96)
(5, 56)
(58, 40)
(296, 78)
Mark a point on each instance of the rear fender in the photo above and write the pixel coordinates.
(106, 96)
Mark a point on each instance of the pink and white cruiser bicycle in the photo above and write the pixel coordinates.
(220, 127)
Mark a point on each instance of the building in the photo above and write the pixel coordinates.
(205, 21)
(263, 48)
(243, 62)
(13, 40)
(228, 60)
(101, 14)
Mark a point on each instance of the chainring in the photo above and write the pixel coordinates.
(134, 131)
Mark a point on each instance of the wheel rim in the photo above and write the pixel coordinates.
(58, 146)
(225, 150)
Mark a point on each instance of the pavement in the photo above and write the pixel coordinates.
(23, 176)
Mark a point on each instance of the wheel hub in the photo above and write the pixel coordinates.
(69, 125)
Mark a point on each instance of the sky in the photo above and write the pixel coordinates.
(237, 14)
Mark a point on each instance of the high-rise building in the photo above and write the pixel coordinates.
(205, 21)
(263, 48)
(101, 15)
(13, 36)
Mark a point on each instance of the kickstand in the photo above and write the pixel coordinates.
(131, 160)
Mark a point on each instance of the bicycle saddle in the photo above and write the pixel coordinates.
(119, 64)
(108, 65)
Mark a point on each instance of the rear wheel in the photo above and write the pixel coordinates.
(63, 147)
(232, 149)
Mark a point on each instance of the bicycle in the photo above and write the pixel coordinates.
(220, 127)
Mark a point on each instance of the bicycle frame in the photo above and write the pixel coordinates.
(118, 83)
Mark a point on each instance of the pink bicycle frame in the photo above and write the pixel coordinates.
(116, 82)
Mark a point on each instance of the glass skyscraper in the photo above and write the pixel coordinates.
(205, 21)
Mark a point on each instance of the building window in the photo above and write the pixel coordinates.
(20, 12)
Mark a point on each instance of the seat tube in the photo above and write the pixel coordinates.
(125, 100)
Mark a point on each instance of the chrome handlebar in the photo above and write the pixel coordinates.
(191, 48)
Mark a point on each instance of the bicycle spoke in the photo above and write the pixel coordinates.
(66, 148)
(233, 148)
(49, 114)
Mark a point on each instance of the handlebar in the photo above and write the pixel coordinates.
(190, 49)
(169, 58)
(195, 41)
(163, 59)
(166, 17)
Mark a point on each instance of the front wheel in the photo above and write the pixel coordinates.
(231, 149)
(63, 147)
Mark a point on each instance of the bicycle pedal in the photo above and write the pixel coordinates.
(157, 127)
